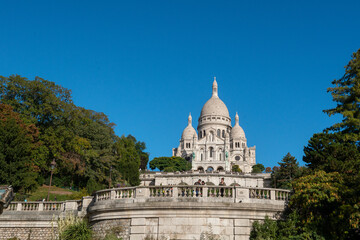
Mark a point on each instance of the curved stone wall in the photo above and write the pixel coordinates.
(183, 212)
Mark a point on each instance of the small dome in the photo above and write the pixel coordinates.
(237, 131)
(189, 132)
(214, 106)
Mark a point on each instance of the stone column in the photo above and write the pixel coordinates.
(112, 194)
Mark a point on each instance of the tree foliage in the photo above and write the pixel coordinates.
(258, 168)
(18, 150)
(236, 168)
(283, 175)
(326, 198)
(82, 141)
(170, 164)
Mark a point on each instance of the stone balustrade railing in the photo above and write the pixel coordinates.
(205, 193)
(36, 206)
(58, 206)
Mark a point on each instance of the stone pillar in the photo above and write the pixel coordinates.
(112, 194)
(175, 192)
(272, 195)
(205, 193)
(86, 201)
(18, 208)
(242, 194)
(41, 206)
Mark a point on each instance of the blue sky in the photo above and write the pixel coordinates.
(147, 64)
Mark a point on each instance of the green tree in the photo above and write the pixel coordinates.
(346, 93)
(170, 164)
(82, 141)
(128, 160)
(288, 170)
(258, 168)
(236, 168)
(18, 150)
(337, 150)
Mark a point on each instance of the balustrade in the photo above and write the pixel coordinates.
(103, 195)
(220, 191)
(52, 206)
(259, 193)
(281, 195)
(205, 192)
(190, 191)
(161, 191)
(125, 193)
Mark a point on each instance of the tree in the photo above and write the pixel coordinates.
(128, 160)
(258, 168)
(82, 141)
(288, 170)
(320, 199)
(171, 164)
(346, 94)
(18, 150)
(236, 168)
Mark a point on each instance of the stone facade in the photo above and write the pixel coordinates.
(118, 227)
(151, 212)
(216, 145)
(25, 233)
(262, 180)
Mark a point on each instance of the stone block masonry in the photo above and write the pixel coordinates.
(25, 233)
(151, 212)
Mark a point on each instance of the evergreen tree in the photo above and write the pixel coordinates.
(287, 171)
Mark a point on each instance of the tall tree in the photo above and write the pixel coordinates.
(82, 141)
(287, 171)
(346, 93)
(18, 150)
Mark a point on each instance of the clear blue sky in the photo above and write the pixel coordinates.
(147, 64)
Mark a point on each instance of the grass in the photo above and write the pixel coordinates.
(60, 194)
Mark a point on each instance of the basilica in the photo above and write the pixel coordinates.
(216, 145)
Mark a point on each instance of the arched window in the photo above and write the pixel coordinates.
(220, 156)
(211, 149)
(218, 133)
(211, 136)
(204, 135)
(210, 169)
(200, 134)
(201, 157)
(223, 133)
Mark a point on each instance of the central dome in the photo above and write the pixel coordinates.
(214, 106)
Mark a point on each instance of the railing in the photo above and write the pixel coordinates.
(220, 191)
(54, 206)
(125, 193)
(190, 191)
(101, 196)
(282, 195)
(35, 206)
(204, 192)
(159, 191)
(259, 193)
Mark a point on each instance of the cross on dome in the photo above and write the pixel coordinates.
(236, 119)
(215, 88)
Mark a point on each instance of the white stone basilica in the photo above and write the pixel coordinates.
(218, 146)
